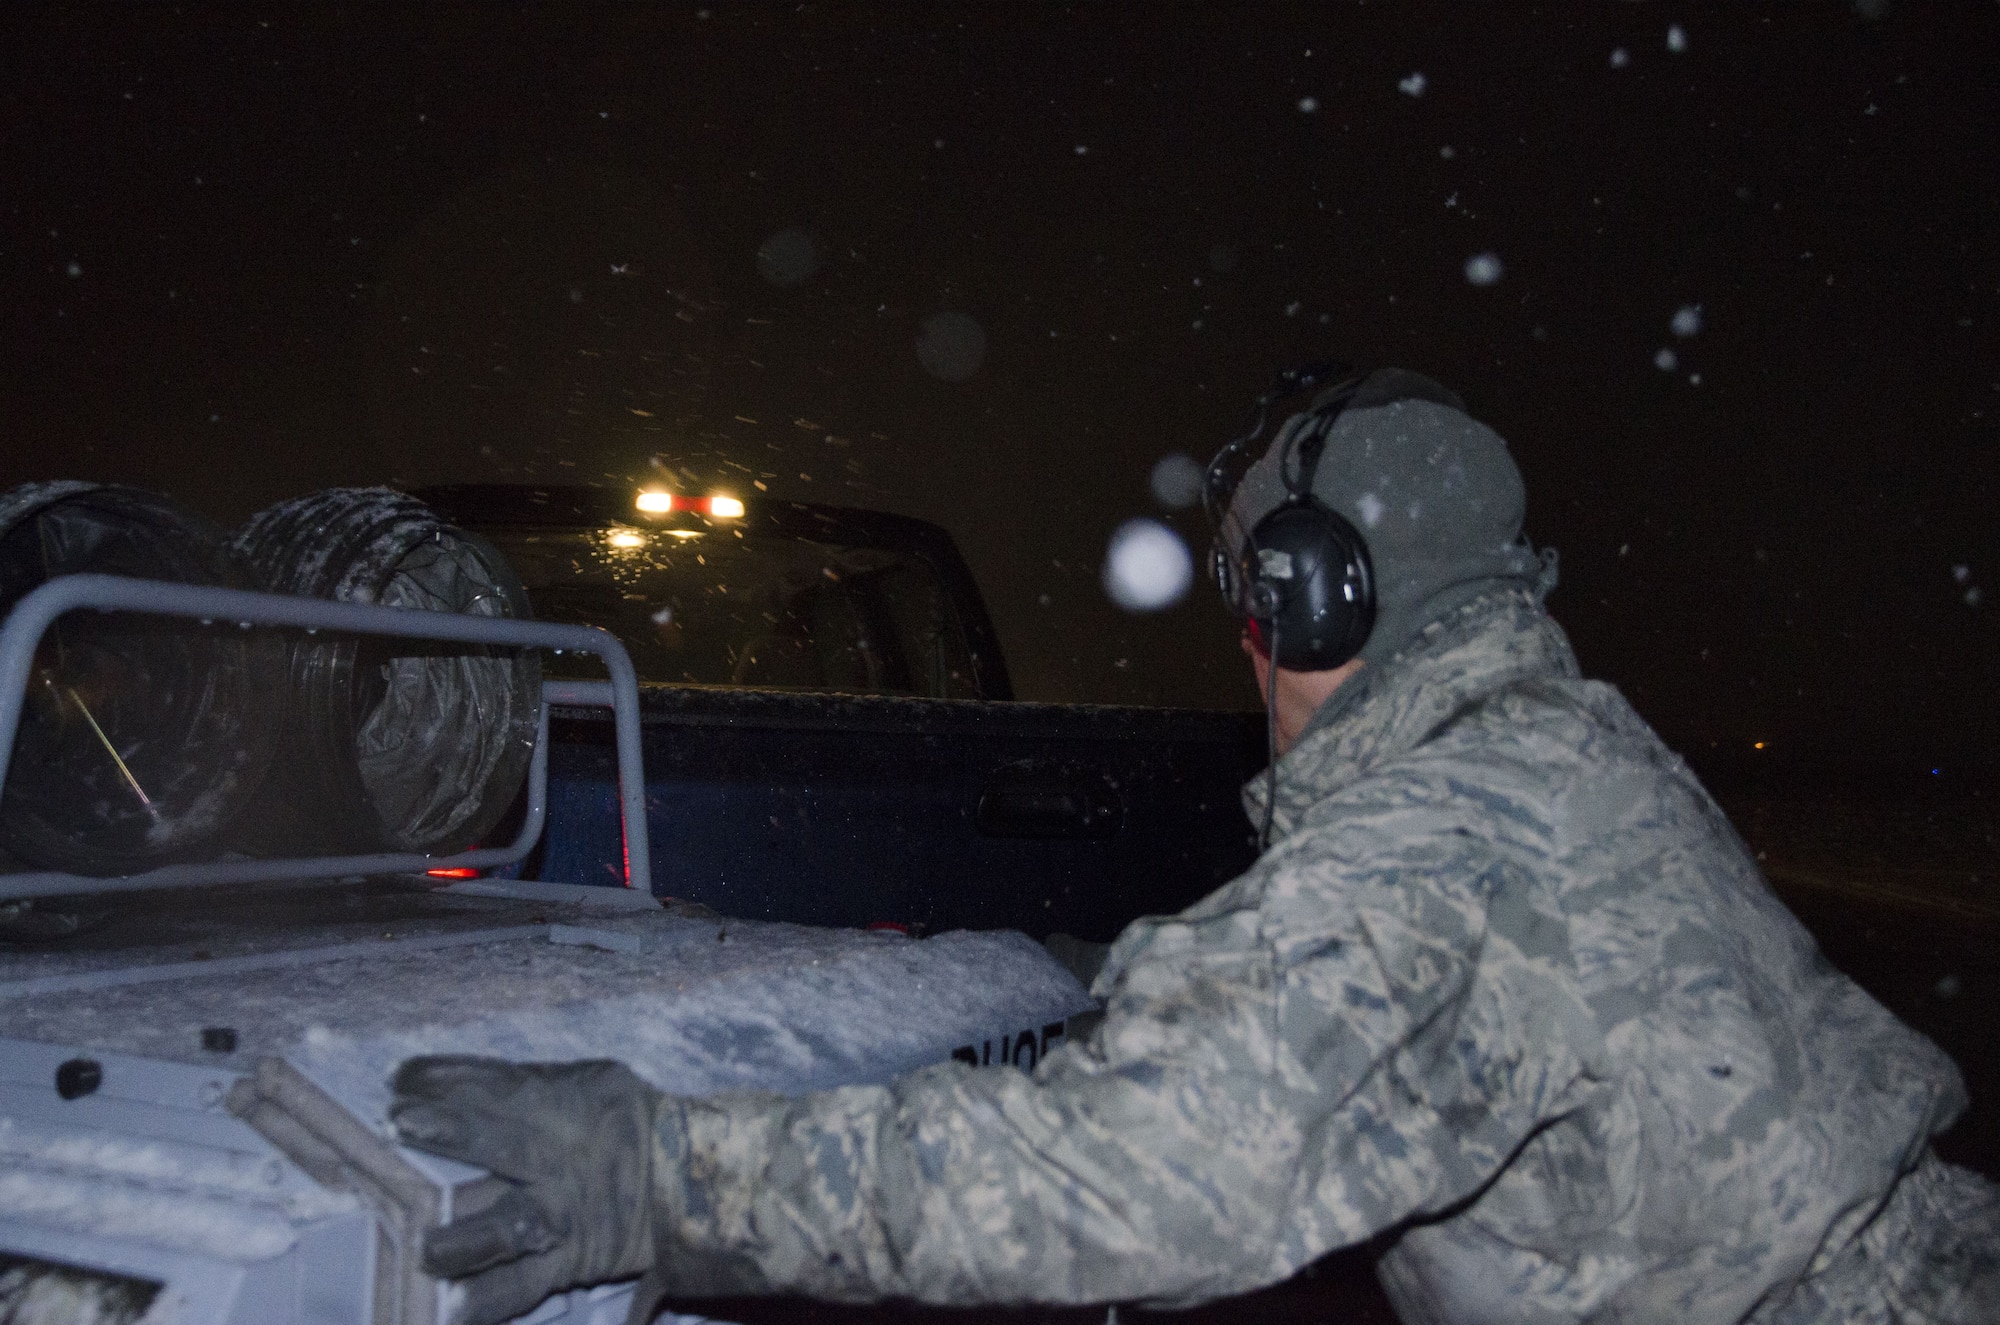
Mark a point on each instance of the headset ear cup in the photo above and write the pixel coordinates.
(1315, 567)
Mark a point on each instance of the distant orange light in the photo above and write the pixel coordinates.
(459, 873)
(1758, 746)
(716, 506)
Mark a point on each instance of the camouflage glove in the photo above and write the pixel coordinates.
(575, 1140)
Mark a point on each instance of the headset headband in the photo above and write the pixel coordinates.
(1218, 488)
(1226, 471)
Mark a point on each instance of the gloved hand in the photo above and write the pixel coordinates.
(575, 1139)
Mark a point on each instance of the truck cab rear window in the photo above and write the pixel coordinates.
(718, 606)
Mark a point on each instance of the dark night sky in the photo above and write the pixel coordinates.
(248, 253)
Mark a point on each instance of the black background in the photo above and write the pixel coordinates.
(248, 252)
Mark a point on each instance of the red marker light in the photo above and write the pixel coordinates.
(459, 873)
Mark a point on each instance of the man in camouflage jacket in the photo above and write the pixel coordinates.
(1506, 986)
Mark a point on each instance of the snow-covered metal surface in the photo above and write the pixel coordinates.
(147, 1177)
(291, 1008)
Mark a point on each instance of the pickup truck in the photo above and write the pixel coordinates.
(830, 736)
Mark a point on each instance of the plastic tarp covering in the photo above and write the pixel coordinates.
(396, 745)
(141, 738)
(435, 749)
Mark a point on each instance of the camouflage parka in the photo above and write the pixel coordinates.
(1506, 984)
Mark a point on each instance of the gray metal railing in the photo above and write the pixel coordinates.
(38, 610)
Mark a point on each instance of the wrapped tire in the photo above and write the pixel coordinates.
(392, 744)
(142, 738)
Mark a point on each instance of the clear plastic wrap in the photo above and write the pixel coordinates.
(391, 744)
(142, 738)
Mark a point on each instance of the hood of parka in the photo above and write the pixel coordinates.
(1476, 649)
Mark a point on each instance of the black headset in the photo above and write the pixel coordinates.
(1303, 574)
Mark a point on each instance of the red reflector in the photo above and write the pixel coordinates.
(459, 873)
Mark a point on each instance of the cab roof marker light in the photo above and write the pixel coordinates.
(715, 506)
(460, 872)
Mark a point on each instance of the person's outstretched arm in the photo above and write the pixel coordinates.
(1355, 1032)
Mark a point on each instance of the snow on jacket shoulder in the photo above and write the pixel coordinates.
(1507, 983)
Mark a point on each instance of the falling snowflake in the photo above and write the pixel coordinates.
(1963, 575)
(1677, 39)
(1147, 567)
(1308, 104)
(1620, 58)
(1687, 321)
(1414, 85)
(1483, 268)
(790, 257)
(75, 269)
(951, 346)
(1177, 481)
(1666, 360)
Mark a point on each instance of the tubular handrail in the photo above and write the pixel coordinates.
(39, 609)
